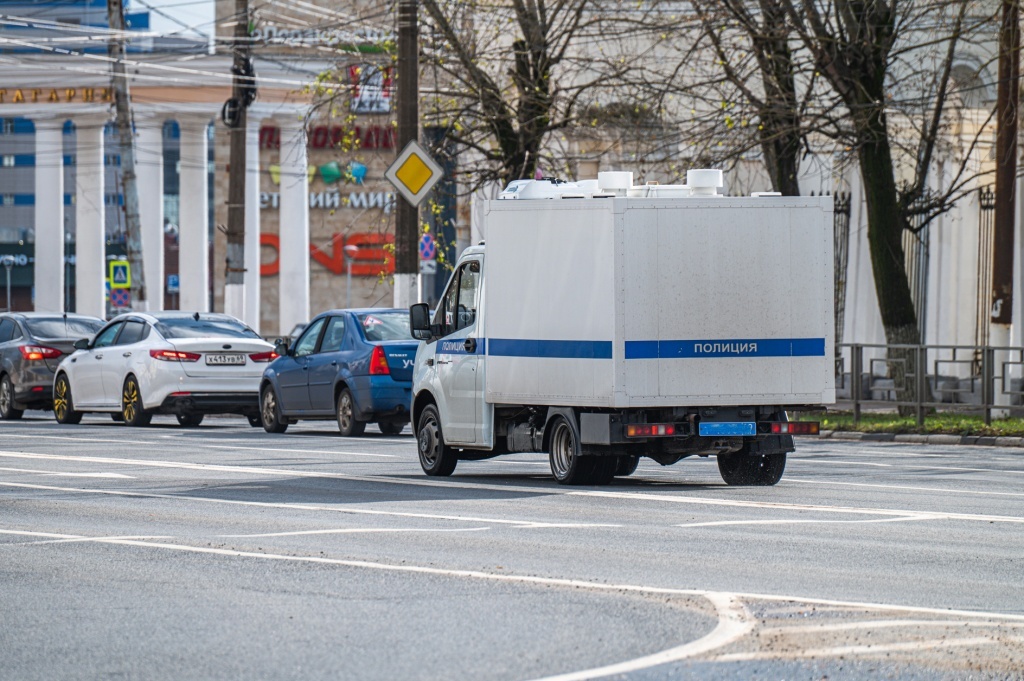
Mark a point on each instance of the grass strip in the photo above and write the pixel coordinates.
(934, 424)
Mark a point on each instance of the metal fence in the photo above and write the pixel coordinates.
(968, 378)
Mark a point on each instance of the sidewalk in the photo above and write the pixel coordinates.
(975, 440)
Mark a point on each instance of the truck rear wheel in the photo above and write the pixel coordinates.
(626, 466)
(760, 470)
(568, 466)
(436, 458)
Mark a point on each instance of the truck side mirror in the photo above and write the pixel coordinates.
(82, 344)
(281, 347)
(419, 321)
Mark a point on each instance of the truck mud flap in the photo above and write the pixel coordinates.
(773, 444)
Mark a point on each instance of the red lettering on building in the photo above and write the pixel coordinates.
(372, 260)
(324, 137)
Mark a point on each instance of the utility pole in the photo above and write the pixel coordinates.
(407, 217)
(1007, 111)
(243, 92)
(126, 137)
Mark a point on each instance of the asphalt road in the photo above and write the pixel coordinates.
(222, 552)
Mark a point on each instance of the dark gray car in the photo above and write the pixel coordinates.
(32, 344)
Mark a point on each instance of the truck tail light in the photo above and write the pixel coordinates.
(174, 356)
(263, 356)
(796, 428)
(650, 430)
(379, 362)
(39, 352)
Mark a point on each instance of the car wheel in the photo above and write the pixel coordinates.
(568, 465)
(436, 458)
(270, 412)
(131, 404)
(742, 469)
(391, 427)
(189, 420)
(345, 409)
(627, 466)
(7, 410)
(255, 420)
(63, 406)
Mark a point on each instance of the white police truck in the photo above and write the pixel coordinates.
(603, 322)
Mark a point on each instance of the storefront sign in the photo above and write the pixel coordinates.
(55, 95)
(371, 260)
(333, 200)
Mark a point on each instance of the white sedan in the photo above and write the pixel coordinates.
(141, 364)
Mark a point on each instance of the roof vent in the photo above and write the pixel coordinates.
(704, 182)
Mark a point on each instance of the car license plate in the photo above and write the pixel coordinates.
(727, 428)
(225, 359)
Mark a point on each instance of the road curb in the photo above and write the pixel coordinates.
(909, 438)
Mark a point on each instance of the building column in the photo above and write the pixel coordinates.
(252, 223)
(90, 217)
(49, 216)
(193, 231)
(150, 175)
(293, 307)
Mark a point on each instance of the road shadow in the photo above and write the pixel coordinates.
(302, 490)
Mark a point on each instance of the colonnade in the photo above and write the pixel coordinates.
(193, 235)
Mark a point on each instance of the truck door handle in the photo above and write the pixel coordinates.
(470, 345)
(430, 362)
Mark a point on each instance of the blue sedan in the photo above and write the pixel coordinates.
(351, 365)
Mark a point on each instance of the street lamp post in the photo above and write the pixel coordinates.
(8, 262)
(350, 255)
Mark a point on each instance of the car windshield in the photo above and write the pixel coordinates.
(204, 327)
(385, 326)
(57, 327)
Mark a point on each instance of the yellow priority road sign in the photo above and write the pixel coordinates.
(120, 274)
(414, 173)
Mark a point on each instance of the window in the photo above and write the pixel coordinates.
(8, 161)
(133, 332)
(458, 308)
(107, 335)
(57, 327)
(6, 328)
(385, 326)
(334, 335)
(204, 327)
(307, 344)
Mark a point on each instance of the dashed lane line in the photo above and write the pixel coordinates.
(911, 488)
(67, 474)
(802, 521)
(351, 530)
(546, 491)
(519, 524)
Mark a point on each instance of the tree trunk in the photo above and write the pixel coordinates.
(885, 239)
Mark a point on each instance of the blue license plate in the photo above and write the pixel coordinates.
(727, 428)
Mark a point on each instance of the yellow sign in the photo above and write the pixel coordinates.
(120, 274)
(55, 95)
(414, 173)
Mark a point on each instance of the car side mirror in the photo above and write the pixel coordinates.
(419, 321)
(82, 344)
(281, 347)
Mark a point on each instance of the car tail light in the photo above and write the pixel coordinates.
(379, 362)
(796, 428)
(650, 430)
(263, 356)
(174, 356)
(39, 352)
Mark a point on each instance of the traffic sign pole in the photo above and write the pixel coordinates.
(406, 215)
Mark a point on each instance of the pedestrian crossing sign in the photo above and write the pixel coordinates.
(120, 274)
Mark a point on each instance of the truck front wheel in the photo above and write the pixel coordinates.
(759, 470)
(567, 465)
(436, 458)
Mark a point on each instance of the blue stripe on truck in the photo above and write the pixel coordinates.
(729, 347)
(504, 347)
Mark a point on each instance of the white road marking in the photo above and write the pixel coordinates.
(817, 462)
(353, 530)
(258, 448)
(839, 651)
(879, 624)
(522, 524)
(957, 490)
(71, 538)
(734, 622)
(800, 521)
(737, 503)
(68, 475)
(927, 467)
(546, 491)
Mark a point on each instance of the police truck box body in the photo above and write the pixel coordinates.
(604, 322)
